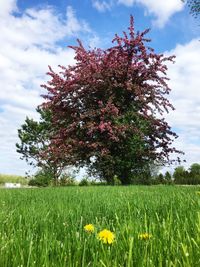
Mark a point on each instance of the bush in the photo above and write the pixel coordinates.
(143, 178)
(42, 178)
(67, 180)
(162, 179)
(39, 181)
(84, 182)
(116, 180)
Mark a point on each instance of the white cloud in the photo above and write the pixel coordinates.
(94, 41)
(7, 7)
(41, 27)
(102, 5)
(126, 2)
(28, 46)
(73, 24)
(185, 84)
(162, 10)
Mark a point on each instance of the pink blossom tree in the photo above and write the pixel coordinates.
(108, 108)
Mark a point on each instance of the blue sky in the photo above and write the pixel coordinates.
(35, 34)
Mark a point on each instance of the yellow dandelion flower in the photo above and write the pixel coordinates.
(89, 228)
(144, 236)
(106, 236)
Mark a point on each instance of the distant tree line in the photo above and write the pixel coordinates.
(180, 176)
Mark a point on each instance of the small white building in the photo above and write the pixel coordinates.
(12, 185)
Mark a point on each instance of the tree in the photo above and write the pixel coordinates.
(161, 178)
(194, 6)
(180, 175)
(108, 108)
(194, 173)
(168, 177)
(195, 169)
(34, 140)
(191, 177)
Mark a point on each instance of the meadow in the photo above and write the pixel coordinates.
(4, 178)
(45, 226)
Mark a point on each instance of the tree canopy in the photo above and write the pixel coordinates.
(194, 6)
(34, 139)
(107, 109)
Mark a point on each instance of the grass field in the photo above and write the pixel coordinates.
(5, 178)
(45, 227)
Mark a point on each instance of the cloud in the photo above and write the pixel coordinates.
(73, 25)
(29, 43)
(162, 10)
(40, 27)
(7, 7)
(102, 5)
(185, 84)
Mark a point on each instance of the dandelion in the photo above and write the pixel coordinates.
(106, 236)
(198, 192)
(145, 236)
(89, 228)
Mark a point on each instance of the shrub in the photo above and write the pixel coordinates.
(39, 181)
(42, 178)
(116, 180)
(84, 182)
(67, 180)
(158, 179)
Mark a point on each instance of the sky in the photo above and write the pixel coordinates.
(35, 34)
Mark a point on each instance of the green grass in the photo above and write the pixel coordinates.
(44, 227)
(5, 178)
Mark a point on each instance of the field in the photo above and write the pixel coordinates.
(5, 178)
(45, 227)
